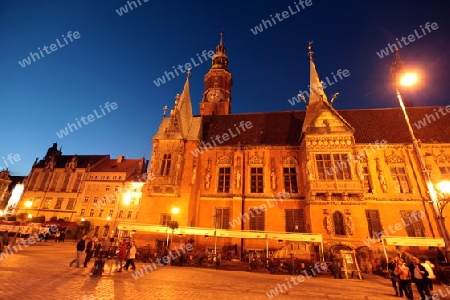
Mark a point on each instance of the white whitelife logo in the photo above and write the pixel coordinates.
(27, 61)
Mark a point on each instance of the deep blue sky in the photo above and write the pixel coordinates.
(117, 58)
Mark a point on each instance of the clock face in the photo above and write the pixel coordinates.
(214, 96)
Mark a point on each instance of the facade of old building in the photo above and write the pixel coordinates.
(94, 191)
(350, 175)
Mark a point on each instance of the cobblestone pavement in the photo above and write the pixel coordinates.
(41, 271)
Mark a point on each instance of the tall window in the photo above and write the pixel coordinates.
(37, 203)
(47, 203)
(165, 219)
(101, 213)
(413, 224)
(256, 180)
(77, 182)
(95, 199)
(366, 178)
(91, 212)
(70, 204)
(374, 222)
(44, 180)
(111, 212)
(257, 218)
(295, 220)
(66, 182)
(33, 181)
(400, 180)
(129, 214)
(290, 180)
(55, 181)
(108, 188)
(120, 214)
(59, 202)
(165, 164)
(339, 224)
(222, 218)
(224, 180)
(83, 211)
(333, 166)
(86, 199)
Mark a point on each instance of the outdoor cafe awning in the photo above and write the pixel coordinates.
(414, 241)
(301, 237)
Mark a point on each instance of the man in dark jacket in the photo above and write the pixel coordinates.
(81, 245)
(90, 247)
(419, 276)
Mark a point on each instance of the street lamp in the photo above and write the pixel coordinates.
(408, 79)
(444, 188)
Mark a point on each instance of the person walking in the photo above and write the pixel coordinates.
(131, 257)
(5, 241)
(404, 283)
(81, 245)
(420, 278)
(392, 264)
(90, 247)
(121, 255)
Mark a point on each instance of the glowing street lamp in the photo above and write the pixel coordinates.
(28, 203)
(408, 79)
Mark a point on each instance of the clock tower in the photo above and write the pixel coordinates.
(218, 81)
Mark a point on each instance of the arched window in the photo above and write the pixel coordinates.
(339, 225)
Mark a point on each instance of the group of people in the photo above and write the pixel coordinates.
(4, 242)
(402, 276)
(95, 248)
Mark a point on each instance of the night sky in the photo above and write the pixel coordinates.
(114, 58)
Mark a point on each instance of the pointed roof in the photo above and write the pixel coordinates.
(220, 58)
(183, 109)
(318, 101)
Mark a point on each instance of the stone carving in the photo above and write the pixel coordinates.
(289, 160)
(350, 226)
(273, 177)
(256, 160)
(309, 171)
(207, 179)
(394, 159)
(238, 179)
(224, 160)
(382, 181)
(359, 170)
(194, 175)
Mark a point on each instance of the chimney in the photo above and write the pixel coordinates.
(120, 158)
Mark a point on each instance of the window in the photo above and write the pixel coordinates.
(47, 203)
(366, 178)
(33, 181)
(44, 181)
(374, 222)
(256, 180)
(257, 217)
(59, 202)
(91, 212)
(113, 201)
(116, 188)
(165, 219)
(108, 177)
(101, 213)
(77, 183)
(120, 214)
(111, 212)
(222, 218)
(36, 202)
(335, 166)
(445, 172)
(83, 211)
(66, 182)
(103, 177)
(339, 224)
(86, 199)
(104, 200)
(400, 180)
(114, 177)
(224, 180)
(70, 204)
(129, 214)
(55, 181)
(295, 220)
(413, 223)
(95, 199)
(290, 180)
(107, 188)
(165, 165)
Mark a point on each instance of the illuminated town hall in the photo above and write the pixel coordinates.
(303, 182)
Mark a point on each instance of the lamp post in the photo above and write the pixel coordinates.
(444, 188)
(215, 234)
(410, 79)
(172, 225)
